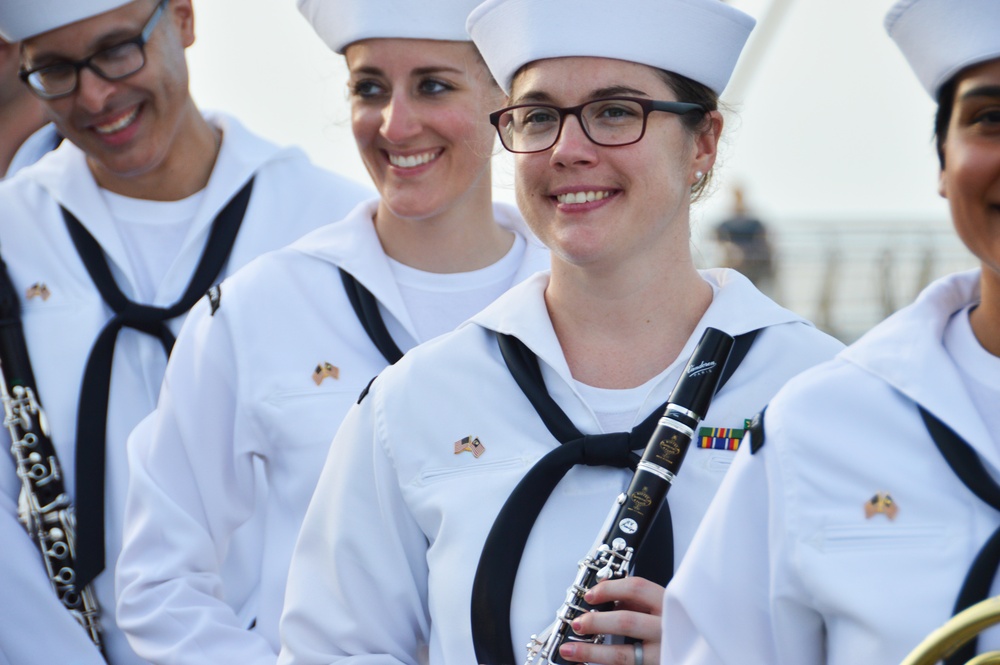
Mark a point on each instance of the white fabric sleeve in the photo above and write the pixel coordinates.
(40, 631)
(357, 586)
(735, 598)
(191, 485)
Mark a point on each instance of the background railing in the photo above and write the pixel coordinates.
(848, 277)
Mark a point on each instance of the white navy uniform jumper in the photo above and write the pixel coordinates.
(263, 375)
(846, 537)
(384, 565)
(62, 315)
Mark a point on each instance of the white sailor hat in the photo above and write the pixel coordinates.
(23, 19)
(699, 39)
(941, 37)
(343, 22)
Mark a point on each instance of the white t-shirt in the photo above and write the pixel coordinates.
(153, 233)
(439, 302)
(617, 409)
(979, 369)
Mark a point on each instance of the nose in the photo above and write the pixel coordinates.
(400, 119)
(92, 91)
(573, 146)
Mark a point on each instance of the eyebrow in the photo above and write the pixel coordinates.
(419, 71)
(113, 38)
(599, 93)
(982, 91)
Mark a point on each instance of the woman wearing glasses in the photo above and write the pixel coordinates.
(260, 379)
(616, 123)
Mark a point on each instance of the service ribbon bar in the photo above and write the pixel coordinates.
(720, 438)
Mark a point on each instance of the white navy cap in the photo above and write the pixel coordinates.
(939, 38)
(699, 39)
(340, 23)
(23, 19)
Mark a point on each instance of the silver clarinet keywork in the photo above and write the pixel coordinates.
(43, 506)
(632, 513)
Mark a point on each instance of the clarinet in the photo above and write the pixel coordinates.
(632, 513)
(44, 507)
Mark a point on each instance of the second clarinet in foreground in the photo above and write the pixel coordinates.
(632, 512)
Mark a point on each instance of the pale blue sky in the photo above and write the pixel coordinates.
(832, 123)
(831, 136)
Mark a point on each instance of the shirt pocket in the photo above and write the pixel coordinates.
(441, 474)
(850, 538)
(304, 418)
(714, 462)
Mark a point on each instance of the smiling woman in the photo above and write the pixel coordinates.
(641, 217)
(970, 178)
(422, 135)
(420, 532)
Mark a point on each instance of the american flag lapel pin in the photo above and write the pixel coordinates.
(324, 370)
(881, 503)
(471, 444)
(38, 290)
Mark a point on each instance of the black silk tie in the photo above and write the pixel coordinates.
(493, 587)
(366, 308)
(92, 415)
(966, 464)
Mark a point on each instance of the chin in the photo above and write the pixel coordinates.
(581, 257)
(412, 206)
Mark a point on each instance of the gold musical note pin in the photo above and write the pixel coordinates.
(324, 370)
(38, 290)
(471, 444)
(882, 503)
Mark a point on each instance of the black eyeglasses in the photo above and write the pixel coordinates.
(612, 121)
(112, 64)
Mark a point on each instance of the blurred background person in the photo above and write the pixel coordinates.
(746, 246)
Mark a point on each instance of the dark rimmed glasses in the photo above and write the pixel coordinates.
(112, 64)
(612, 121)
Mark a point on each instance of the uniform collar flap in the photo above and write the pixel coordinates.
(353, 244)
(907, 352)
(739, 307)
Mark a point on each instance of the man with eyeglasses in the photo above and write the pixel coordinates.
(108, 242)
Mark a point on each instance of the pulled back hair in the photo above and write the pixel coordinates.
(688, 90)
(946, 103)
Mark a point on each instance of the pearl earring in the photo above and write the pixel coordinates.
(698, 175)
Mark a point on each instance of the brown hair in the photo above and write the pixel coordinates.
(688, 90)
(946, 103)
